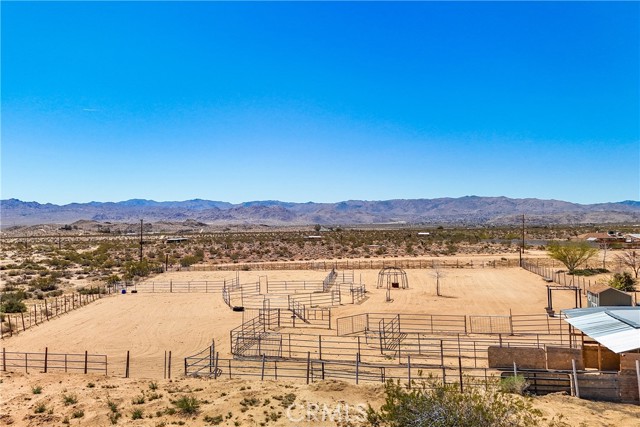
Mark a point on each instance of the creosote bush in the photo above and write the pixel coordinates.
(434, 404)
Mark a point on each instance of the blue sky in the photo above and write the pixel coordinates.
(320, 101)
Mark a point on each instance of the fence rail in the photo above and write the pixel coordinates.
(368, 264)
(181, 287)
(45, 362)
(13, 323)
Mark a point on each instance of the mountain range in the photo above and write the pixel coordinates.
(462, 210)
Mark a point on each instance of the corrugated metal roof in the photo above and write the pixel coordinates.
(617, 328)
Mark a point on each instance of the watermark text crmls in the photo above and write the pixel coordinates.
(315, 413)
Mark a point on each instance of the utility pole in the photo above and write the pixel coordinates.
(140, 240)
(522, 247)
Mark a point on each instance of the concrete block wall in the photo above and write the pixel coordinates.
(525, 358)
(560, 358)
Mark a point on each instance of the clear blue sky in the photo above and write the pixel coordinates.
(320, 101)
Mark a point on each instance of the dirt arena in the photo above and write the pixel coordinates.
(150, 324)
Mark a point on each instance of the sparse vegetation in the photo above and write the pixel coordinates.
(432, 403)
(188, 405)
(572, 255)
(623, 282)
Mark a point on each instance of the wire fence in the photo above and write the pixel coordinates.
(355, 264)
(50, 308)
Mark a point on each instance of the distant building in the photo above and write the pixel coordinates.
(176, 240)
(606, 296)
(600, 238)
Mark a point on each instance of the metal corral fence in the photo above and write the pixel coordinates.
(522, 324)
(37, 313)
(208, 363)
(346, 264)
(181, 287)
(45, 362)
(552, 275)
(234, 294)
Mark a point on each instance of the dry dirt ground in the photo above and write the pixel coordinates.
(148, 324)
(263, 404)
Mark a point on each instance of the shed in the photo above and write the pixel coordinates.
(606, 296)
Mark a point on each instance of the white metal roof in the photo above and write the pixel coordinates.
(617, 328)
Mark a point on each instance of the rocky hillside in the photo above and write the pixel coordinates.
(463, 210)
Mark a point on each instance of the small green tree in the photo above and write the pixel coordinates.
(623, 282)
(630, 259)
(571, 255)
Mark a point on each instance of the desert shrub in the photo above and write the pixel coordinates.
(213, 420)
(188, 405)
(138, 400)
(589, 271)
(514, 384)
(44, 284)
(433, 403)
(11, 302)
(91, 291)
(137, 414)
(623, 282)
(69, 399)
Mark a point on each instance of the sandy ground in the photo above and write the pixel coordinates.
(223, 398)
(150, 324)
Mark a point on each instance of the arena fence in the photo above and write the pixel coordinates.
(14, 361)
(552, 275)
(181, 287)
(412, 373)
(347, 264)
(528, 324)
(50, 308)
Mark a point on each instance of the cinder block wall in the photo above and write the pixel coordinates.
(560, 358)
(525, 358)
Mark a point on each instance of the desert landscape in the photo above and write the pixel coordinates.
(179, 314)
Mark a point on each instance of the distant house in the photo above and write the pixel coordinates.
(176, 240)
(605, 296)
(600, 238)
(632, 238)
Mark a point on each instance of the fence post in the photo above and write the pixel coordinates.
(460, 369)
(4, 360)
(10, 327)
(215, 368)
(169, 365)
(575, 378)
(26, 363)
(308, 364)
(638, 376)
(357, 368)
(126, 369)
(262, 371)
(409, 369)
(46, 357)
(86, 360)
(164, 368)
(22, 316)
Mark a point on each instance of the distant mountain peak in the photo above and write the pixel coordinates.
(446, 210)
